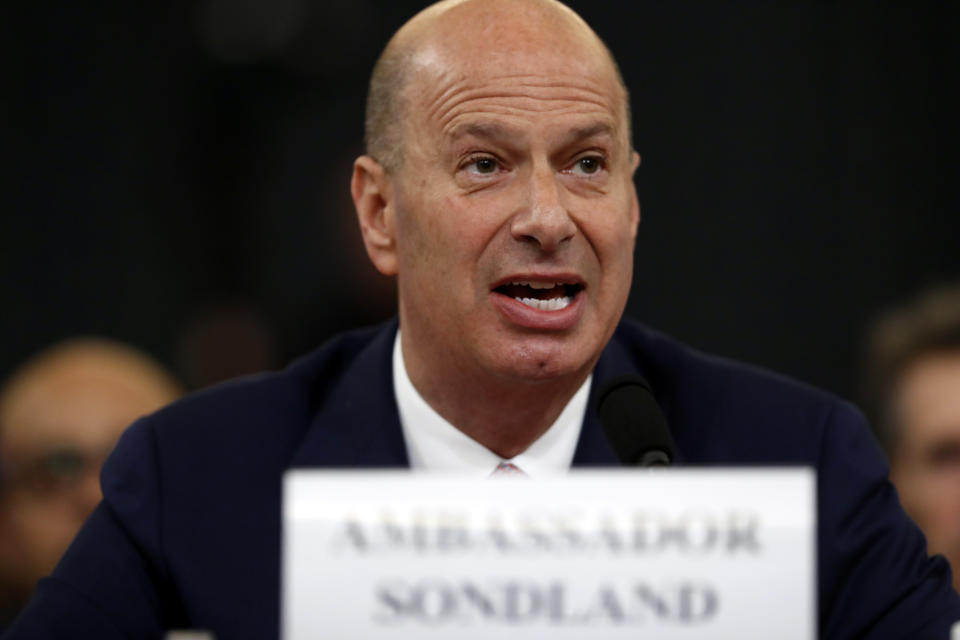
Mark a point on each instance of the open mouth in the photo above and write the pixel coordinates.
(543, 296)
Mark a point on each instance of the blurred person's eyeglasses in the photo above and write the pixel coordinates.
(56, 471)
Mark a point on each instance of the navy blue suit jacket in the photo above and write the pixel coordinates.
(188, 533)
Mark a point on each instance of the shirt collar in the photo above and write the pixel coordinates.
(433, 444)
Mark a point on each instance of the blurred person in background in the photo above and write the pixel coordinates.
(60, 415)
(912, 390)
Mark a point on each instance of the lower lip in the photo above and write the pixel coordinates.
(521, 315)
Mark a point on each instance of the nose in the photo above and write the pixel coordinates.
(544, 219)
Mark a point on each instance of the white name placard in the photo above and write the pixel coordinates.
(680, 553)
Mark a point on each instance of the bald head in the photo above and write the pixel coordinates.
(505, 29)
(87, 386)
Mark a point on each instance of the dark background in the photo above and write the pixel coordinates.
(175, 173)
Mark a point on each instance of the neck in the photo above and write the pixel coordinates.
(505, 416)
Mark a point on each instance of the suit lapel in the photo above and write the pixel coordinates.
(359, 425)
(593, 447)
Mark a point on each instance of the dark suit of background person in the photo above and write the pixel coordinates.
(188, 534)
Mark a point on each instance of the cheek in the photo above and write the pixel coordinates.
(614, 245)
(930, 500)
(43, 529)
(416, 232)
(446, 232)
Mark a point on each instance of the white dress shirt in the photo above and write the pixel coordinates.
(433, 444)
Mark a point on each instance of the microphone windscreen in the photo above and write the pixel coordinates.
(634, 423)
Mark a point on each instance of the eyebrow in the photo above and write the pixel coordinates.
(600, 128)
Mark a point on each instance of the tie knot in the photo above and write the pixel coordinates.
(508, 469)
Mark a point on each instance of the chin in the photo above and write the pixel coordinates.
(541, 364)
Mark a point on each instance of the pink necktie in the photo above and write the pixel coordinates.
(505, 469)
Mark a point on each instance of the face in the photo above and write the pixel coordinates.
(514, 209)
(57, 432)
(926, 468)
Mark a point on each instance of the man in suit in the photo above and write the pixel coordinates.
(509, 221)
(498, 189)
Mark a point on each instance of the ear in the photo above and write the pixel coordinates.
(372, 191)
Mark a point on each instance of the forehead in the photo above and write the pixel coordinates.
(456, 101)
(930, 395)
(80, 400)
(514, 70)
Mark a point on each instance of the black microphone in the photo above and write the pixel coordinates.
(634, 423)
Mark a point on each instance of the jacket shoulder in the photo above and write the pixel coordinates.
(267, 410)
(727, 412)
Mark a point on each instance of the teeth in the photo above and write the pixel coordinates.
(553, 304)
(537, 285)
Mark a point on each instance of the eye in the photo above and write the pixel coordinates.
(485, 165)
(588, 165)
